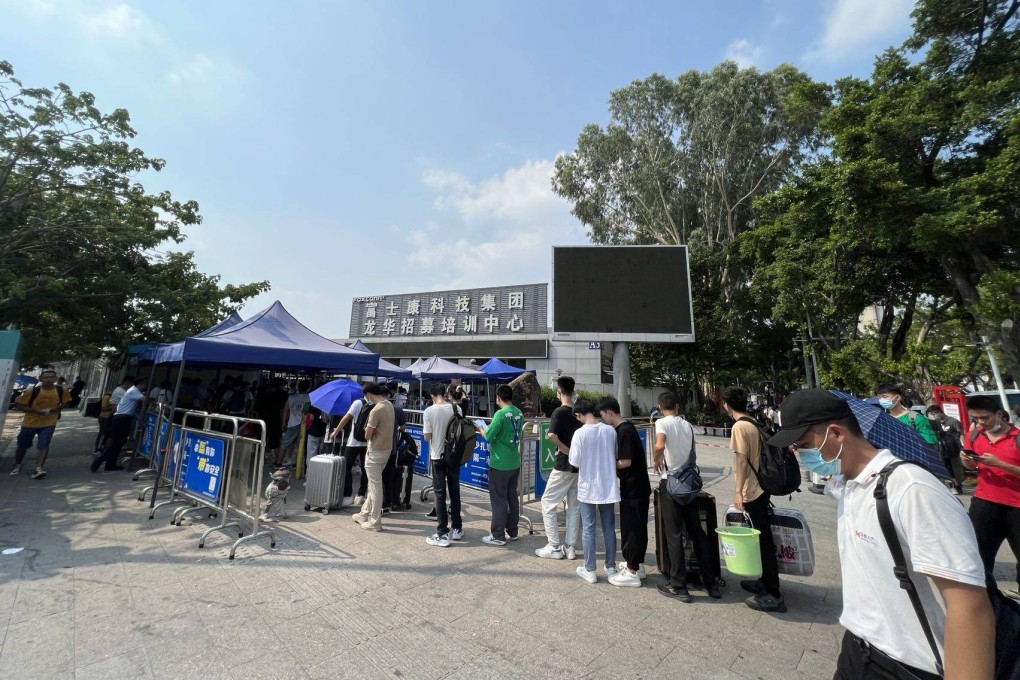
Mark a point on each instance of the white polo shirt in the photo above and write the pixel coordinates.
(937, 540)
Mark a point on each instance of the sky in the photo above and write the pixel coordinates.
(345, 149)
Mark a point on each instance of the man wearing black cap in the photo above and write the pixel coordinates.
(884, 638)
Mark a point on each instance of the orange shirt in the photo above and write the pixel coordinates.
(47, 398)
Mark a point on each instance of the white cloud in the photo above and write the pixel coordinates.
(744, 53)
(518, 193)
(859, 25)
(516, 216)
(120, 22)
(206, 81)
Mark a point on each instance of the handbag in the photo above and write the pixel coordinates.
(684, 483)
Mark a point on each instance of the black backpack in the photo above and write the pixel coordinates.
(60, 397)
(362, 420)
(407, 450)
(461, 435)
(779, 471)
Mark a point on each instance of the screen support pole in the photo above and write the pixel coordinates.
(621, 377)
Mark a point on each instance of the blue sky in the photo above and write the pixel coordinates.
(341, 149)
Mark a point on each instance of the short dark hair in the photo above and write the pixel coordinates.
(505, 393)
(608, 404)
(437, 389)
(984, 402)
(583, 407)
(373, 388)
(935, 408)
(128, 379)
(139, 381)
(302, 386)
(565, 384)
(668, 401)
(851, 424)
(47, 370)
(735, 397)
(890, 389)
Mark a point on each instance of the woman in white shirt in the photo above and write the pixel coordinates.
(593, 452)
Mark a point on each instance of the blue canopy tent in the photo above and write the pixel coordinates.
(498, 370)
(435, 368)
(149, 354)
(386, 369)
(270, 339)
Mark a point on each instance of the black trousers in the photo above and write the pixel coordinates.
(859, 661)
(355, 456)
(119, 433)
(634, 530)
(504, 502)
(389, 481)
(993, 524)
(101, 438)
(446, 477)
(758, 509)
(676, 518)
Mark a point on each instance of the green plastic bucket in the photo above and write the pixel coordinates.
(740, 550)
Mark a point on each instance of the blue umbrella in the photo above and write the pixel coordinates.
(886, 432)
(336, 396)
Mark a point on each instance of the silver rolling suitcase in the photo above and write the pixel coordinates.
(324, 484)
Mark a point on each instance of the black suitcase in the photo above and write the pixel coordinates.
(709, 521)
(403, 478)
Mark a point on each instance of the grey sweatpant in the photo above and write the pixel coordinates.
(505, 503)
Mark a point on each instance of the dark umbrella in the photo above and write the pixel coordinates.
(886, 432)
(336, 396)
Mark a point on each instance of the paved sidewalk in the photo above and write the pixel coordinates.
(99, 591)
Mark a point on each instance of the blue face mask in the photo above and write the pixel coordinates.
(885, 403)
(813, 461)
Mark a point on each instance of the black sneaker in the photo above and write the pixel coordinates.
(115, 468)
(754, 587)
(713, 591)
(766, 603)
(672, 591)
(432, 514)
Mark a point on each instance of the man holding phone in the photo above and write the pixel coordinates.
(41, 406)
(993, 450)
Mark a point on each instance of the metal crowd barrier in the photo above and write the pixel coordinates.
(150, 440)
(221, 471)
(164, 442)
(169, 465)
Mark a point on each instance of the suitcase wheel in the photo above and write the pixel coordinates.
(325, 511)
(408, 506)
(307, 507)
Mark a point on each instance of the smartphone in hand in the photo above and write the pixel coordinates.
(973, 455)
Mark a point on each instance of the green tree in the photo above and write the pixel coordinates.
(913, 210)
(80, 265)
(680, 163)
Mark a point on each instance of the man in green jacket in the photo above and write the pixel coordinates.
(504, 437)
(890, 397)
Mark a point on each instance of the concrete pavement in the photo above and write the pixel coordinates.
(100, 591)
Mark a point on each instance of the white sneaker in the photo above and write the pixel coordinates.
(571, 553)
(15, 471)
(492, 540)
(622, 566)
(457, 534)
(439, 540)
(39, 473)
(359, 500)
(588, 576)
(625, 579)
(347, 502)
(610, 572)
(550, 552)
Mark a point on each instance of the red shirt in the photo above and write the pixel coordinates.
(995, 484)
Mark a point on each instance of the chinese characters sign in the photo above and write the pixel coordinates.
(506, 311)
(203, 463)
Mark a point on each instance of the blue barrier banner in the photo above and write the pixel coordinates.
(174, 449)
(643, 436)
(475, 473)
(148, 435)
(421, 463)
(157, 450)
(202, 465)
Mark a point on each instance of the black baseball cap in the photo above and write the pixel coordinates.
(805, 408)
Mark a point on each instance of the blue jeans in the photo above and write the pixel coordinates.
(607, 515)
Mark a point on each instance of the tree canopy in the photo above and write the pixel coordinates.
(81, 265)
(805, 205)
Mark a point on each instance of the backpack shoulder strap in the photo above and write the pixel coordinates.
(885, 520)
(35, 393)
